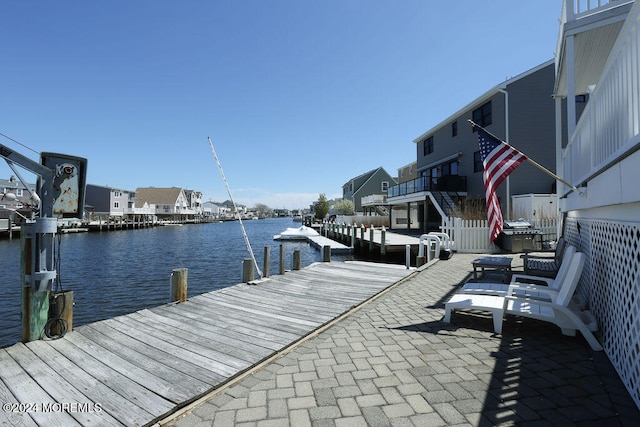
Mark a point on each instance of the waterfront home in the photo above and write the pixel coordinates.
(15, 199)
(103, 203)
(374, 182)
(520, 111)
(598, 62)
(171, 204)
(194, 199)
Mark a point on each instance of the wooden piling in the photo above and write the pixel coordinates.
(326, 253)
(247, 270)
(281, 259)
(179, 278)
(267, 261)
(297, 260)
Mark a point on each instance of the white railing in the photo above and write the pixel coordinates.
(575, 9)
(472, 236)
(610, 124)
(374, 199)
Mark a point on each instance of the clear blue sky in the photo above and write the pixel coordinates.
(297, 96)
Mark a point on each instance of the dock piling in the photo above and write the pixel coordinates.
(297, 260)
(247, 270)
(179, 278)
(326, 253)
(267, 261)
(281, 259)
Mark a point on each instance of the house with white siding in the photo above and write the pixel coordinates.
(598, 61)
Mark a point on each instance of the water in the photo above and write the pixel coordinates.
(119, 272)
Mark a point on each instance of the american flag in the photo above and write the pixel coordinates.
(499, 160)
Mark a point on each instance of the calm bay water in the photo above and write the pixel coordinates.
(119, 272)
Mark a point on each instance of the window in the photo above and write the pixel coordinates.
(482, 115)
(477, 162)
(450, 168)
(427, 146)
(581, 98)
(116, 194)
(116, 205)
(385, 185)
(18, 192)
(454, 129)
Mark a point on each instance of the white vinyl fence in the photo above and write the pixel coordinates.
(472, 236)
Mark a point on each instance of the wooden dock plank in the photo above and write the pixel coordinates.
(13, 416)
(209, 323)
(234, 319)
(146, 379)
(175, 345)
(156, 357)
(105, 385)
(230, 321)
(81, 408)
(27, 391)
(296, 307)
(230, 350)
(142, 366)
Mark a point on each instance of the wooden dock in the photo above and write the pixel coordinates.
(336, 247)
(136, 369)
(371, 239)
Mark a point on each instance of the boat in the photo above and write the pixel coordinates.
(300, 233)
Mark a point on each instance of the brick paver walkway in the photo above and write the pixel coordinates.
(394, 362)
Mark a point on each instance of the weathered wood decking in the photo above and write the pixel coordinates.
(133, 370)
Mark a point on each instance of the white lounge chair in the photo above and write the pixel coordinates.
(555, 311)
(525, 284)
(539, 265)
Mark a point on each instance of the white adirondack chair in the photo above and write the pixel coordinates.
(556, 310)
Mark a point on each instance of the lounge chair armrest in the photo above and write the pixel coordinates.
(550, 257)
(525, 278)
(514, 287)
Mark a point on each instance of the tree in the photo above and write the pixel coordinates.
(322, 207)
(262, 209)
(345, 207)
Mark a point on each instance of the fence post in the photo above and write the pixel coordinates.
(383, 243)
(371, 238)
(407, 249)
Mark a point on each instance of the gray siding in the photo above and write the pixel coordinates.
(532, 130)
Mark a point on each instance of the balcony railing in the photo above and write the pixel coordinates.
(609, 127)
(455, 183)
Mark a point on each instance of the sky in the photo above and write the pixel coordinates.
(297, 96)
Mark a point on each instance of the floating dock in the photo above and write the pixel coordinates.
(139, 368)
(336, 247)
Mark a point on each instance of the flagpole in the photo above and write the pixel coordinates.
(533, 162)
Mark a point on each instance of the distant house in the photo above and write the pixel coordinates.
(408, 172)
(520, 111)
(15, 197)
(170, 203)
(108, 201)
(215, 210)
(373, 183)
(194, 199)
(103, 201)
